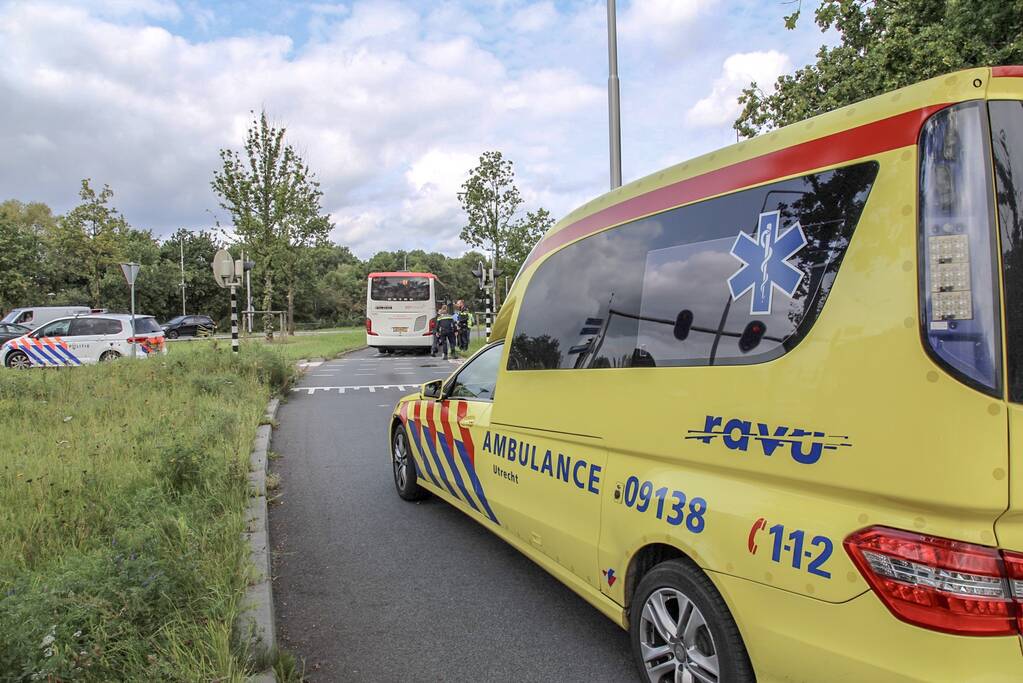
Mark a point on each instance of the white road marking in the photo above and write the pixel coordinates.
(355, 387)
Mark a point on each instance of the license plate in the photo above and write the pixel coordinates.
(399, 329)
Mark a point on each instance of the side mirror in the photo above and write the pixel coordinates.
(432, 389)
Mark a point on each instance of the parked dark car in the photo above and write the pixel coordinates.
(189, 326)
(10, 331)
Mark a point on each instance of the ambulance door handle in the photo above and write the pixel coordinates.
(466, 422)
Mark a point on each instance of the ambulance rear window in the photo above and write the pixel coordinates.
(738, 279)
(1007, 147)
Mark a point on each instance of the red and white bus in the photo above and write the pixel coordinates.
(400, 310)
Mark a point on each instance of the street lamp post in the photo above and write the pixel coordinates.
(613, 98)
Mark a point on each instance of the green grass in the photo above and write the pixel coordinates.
(327, 345)
(122, 489)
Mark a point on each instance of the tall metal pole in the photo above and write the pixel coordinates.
(613, 98)
(234, 319)
(248, 298)
(183, 275)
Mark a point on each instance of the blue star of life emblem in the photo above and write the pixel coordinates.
(765, 265)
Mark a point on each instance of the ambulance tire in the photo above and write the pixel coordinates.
(108, 356)
(403, 466)
(677, 583)
(18, 359)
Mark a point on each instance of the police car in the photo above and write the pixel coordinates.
(84, 339)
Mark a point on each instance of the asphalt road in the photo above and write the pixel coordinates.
(371, 588)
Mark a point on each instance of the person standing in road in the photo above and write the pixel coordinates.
(464, 324)
(446, 332)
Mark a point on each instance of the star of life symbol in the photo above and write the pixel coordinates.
(765, 265)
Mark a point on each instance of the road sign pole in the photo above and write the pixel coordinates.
(234, 319)
(131, 272)
(133, 317)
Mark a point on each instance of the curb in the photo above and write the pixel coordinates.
(256, 621)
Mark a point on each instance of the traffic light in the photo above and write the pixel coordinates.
(683, 323)
(751, 336)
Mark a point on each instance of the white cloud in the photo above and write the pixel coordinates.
(660, 22)
(535, 17)
(738, 71)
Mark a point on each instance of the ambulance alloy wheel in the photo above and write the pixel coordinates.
(681, 629)
(404, 466)
(109, 355)
(18, 360)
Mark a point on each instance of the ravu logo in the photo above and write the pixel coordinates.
(806, 446)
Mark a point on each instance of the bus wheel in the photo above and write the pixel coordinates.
(406, 480)
(681, 629)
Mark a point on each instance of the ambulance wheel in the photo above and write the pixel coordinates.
(109, 355)
(18, 360)
(681, 629)
(406, 481)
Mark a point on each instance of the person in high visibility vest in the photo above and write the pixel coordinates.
(446, 332)
(464, 322)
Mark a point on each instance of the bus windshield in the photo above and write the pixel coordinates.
(399, 289)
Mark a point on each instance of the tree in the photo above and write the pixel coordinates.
(274, 202)
(884, 46)
(20, 254)
(491, 202)
(89, 237)
(525, 236)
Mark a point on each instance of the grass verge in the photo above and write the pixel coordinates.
(122, 490)
(327, 345)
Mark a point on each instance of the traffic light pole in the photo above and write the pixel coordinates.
(234, 319)
(489, 299)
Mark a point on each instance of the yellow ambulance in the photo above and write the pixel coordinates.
(763, 408)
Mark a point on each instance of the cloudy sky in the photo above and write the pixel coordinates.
(390, 101)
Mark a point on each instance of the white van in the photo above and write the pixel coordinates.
(35, 316)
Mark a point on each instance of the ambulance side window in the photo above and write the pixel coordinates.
(478, 380)
(735, 280)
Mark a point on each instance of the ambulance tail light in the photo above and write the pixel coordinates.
(941, 584)
(369, 328)
(433, 325)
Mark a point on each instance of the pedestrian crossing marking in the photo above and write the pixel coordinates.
(356, 387)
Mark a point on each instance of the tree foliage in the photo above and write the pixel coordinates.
(34, 251)
(91, 237)
(491, 203)
(885, 45)
(274, 202)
